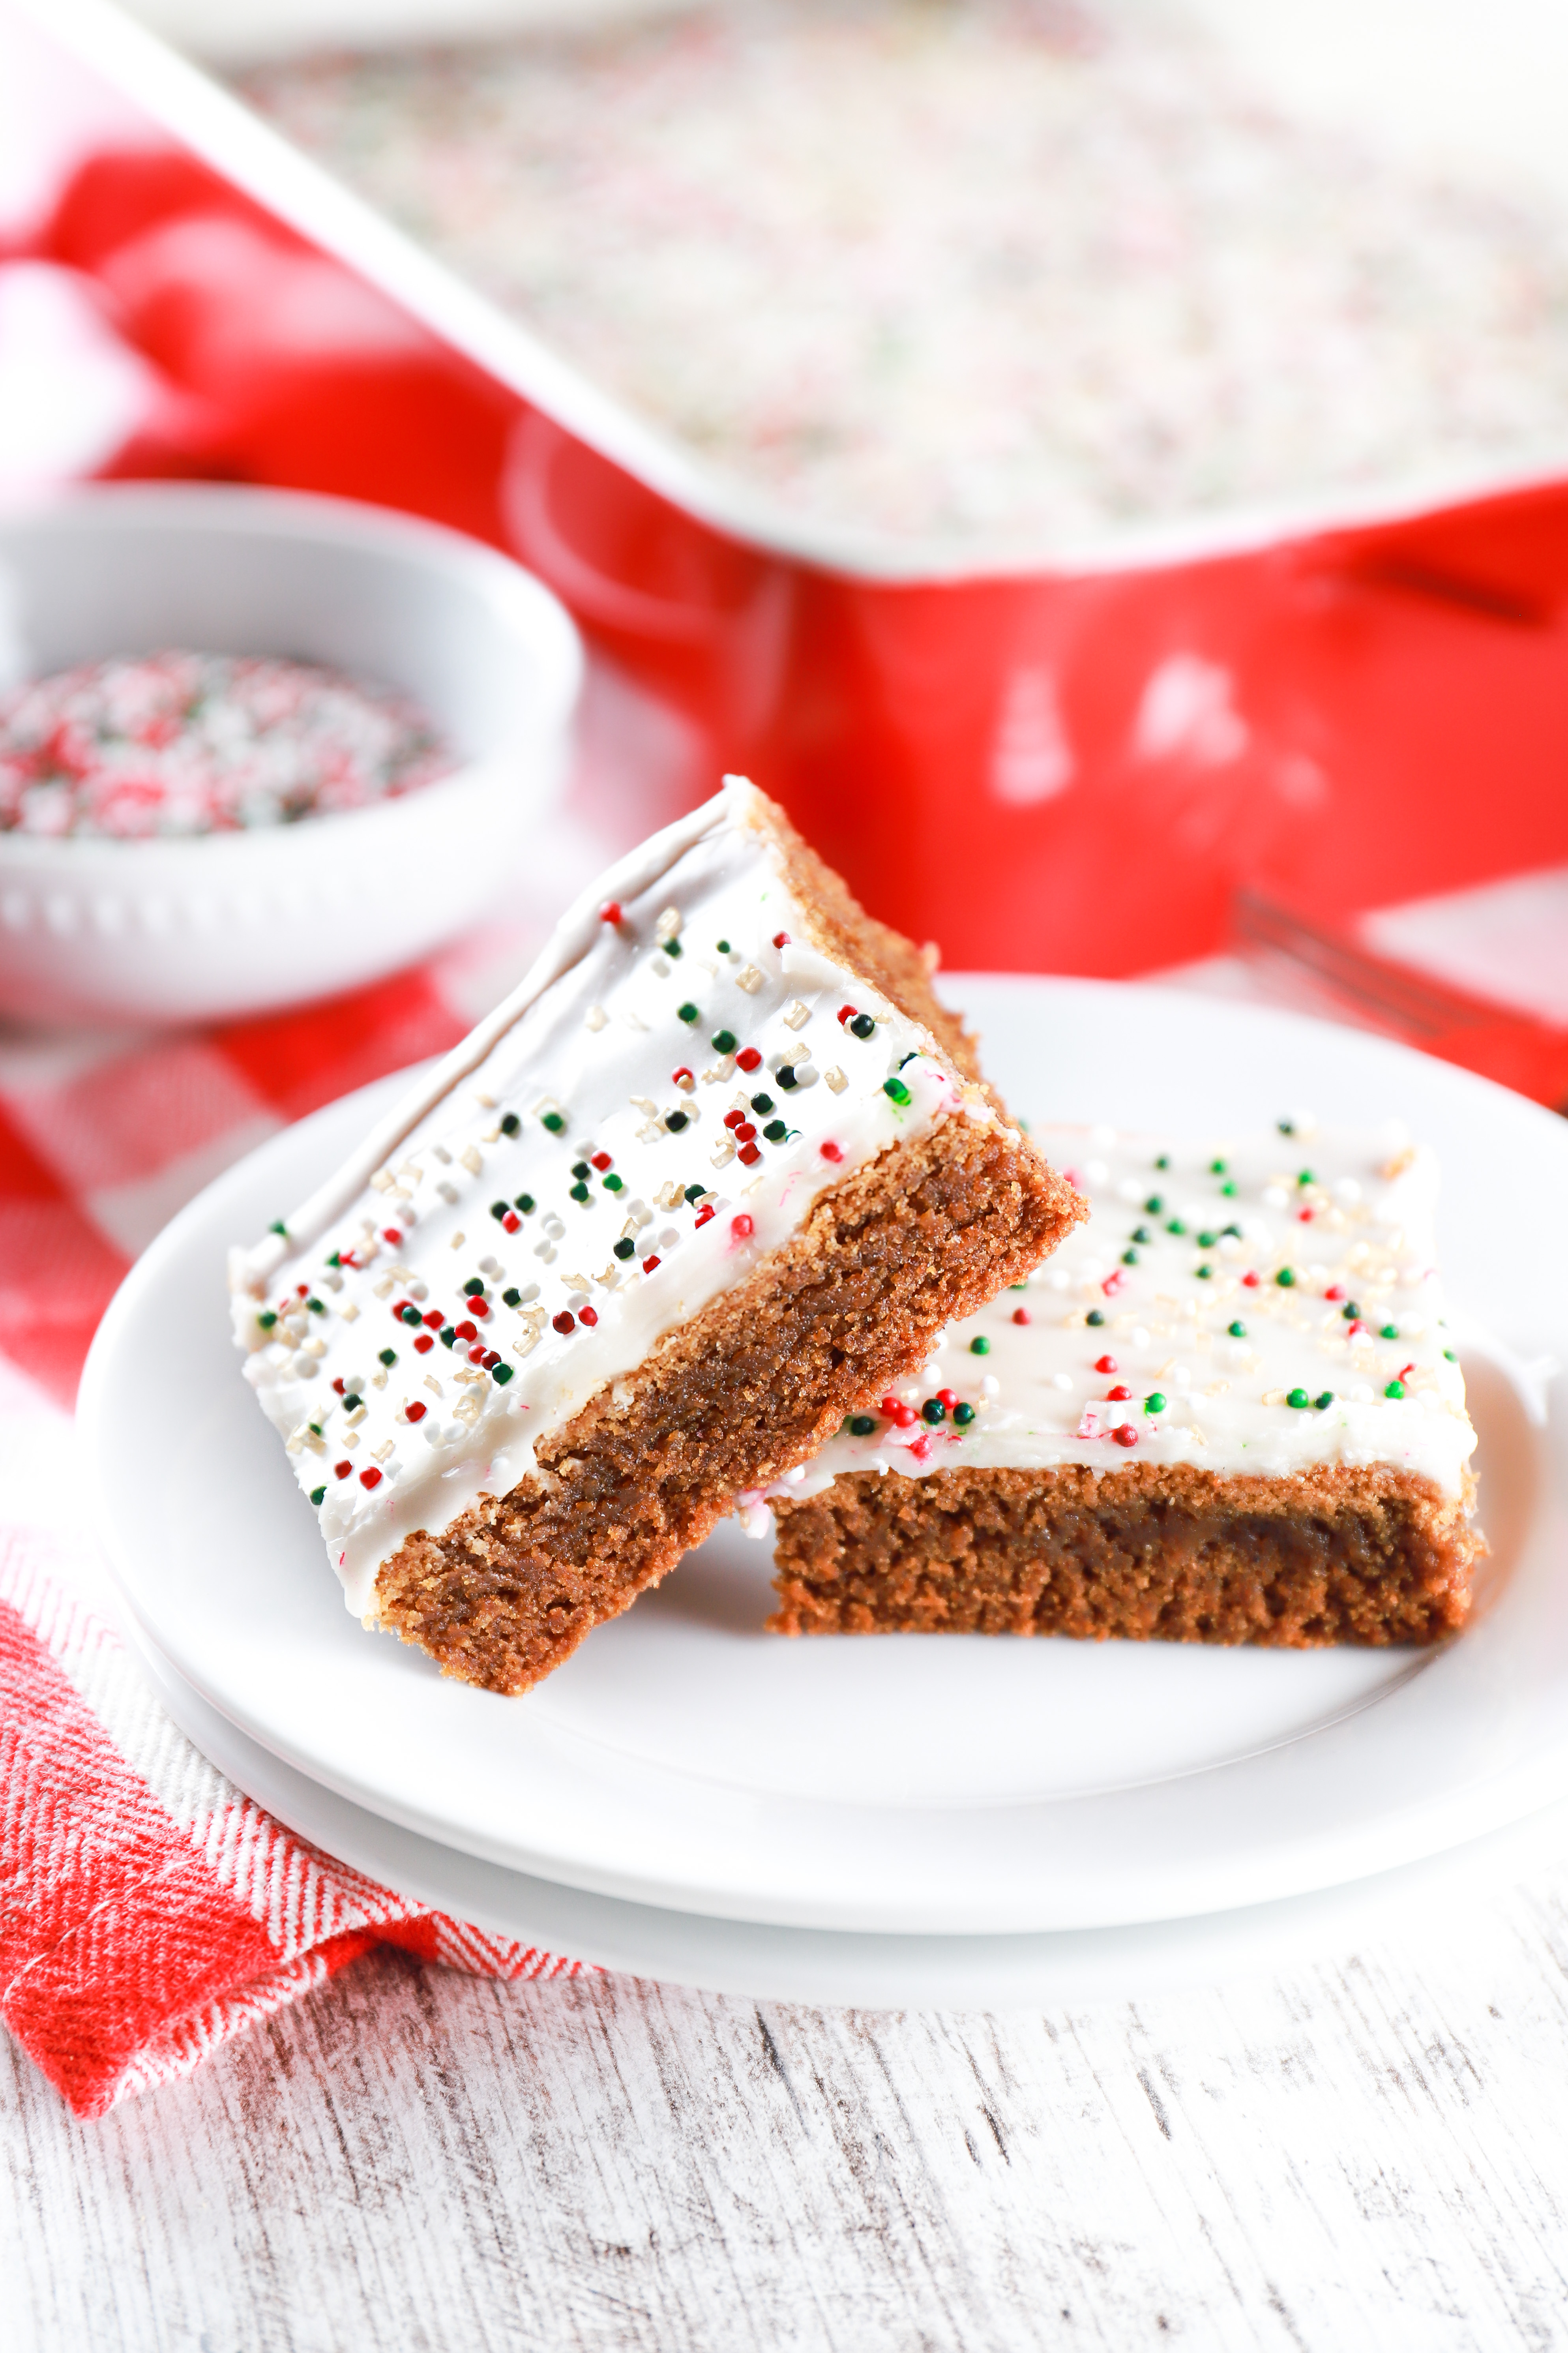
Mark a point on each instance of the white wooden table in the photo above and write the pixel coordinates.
(1369, 2154)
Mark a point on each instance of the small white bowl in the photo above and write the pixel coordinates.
(214, 925)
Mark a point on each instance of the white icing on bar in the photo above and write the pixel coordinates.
(465, 1186)
(1182, 1244)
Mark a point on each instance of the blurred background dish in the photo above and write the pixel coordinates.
(211, 924)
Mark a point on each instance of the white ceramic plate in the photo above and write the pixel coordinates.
(919, 1784)
(1436, 1900)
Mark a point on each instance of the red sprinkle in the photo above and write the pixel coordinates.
(1352, 1329)
(599, 1160)
(389, 1234)
(302, 1291)
(1405, 1370)
(1125, 1434)
(433, 1317)
(648, 1264)
(1335, 1291)
(735, 1119)
(588, 1314)
(781, 939)
(845, 1013)
(921, 1449)
(1305, 1216)
(949, 1397)
(748, 1155)
(415, 1412)
(339, 1386)
(610, 913)
(478, 1307)
(1105, 1364)
(747, 1059)
(1251, 1282)
(371, 1477)
(511, 1222)
(1020, 1314)
(745, 1132)
(341, 1469)
(683, 1078)
(422, 1345)
(1113, 1282)
(477, 1353)
(833, 1152)
(492, 1360)
(566, 1321)
(702, 1216)
(468, 1331)
(1118, 1396)
(742, 1227)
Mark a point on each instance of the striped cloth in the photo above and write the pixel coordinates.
(148, 1909)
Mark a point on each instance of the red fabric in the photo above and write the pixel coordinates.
(148, 1910)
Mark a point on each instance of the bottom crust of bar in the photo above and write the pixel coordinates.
(1146, 1553)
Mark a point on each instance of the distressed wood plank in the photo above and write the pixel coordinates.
(1367, 2155)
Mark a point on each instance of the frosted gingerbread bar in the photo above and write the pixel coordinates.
(1229, 1410)
(719, 1168)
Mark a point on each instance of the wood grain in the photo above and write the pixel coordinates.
(1370, 2155)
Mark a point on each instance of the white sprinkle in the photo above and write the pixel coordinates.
(1095, 1172)
(596, 1016)
(350, 1312)
(991, 1385)
(1062, 1380)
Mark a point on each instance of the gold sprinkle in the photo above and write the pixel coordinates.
(644, 1103)
(525, 1344)
(473, 1160)
(836, 1078)
(457, 1242)
(596, 1016)
(669, 924)
(751, 980)
(382, 1181)
(795, 1013)
(722, 1154)
(434, 1386)
(491, 1135)
(386, 1286)
(349, 1314)
(486, 1102)
(442, 1155)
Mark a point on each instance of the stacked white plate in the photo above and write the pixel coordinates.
(932, 1819)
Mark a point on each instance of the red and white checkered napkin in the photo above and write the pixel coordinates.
(148, 1910)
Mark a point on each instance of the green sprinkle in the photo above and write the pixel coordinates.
(1227, 1190)
(513, 1298)
(1204, 1274)
(623, 1249)
(695, 1192)
(447, 1335)
(862, 1425)
(1286, 1126)
(389, 1356)
(409, 1315)
(1176, 1227)
(1285, 1278)
(896, 1092)
(500, 1210)
(267, 1319)
(335, 1259)
(278, 1227)
(1019, 1286)
(933, 1410)
(1237, 1331)
(723, 1041)
(553, 1122)
(1395, 1390)
(671, 948)
(1389, 1332)
(1142, 1234)
(579, 1192)
(761, 1105)
(1325, 1401)
(524, 1202)
(1235, 1230)
(787, 1078)
(1449, 1356)
(353, 1401)
(1164, 1161)
(686, 1013)
(723, 946)
(1350, 1310)
(1153, 1205)
(1129, 1257)
(1154, 1402)
(318, 1496)
(1207, 1242)
(510, 1122)
(776, 1131)
(315, 1429)
(1094, 1317)
(964, 1415)
(980, 1346)
(1216, 1168)
(581, 1169)
(1297, 1397)
(1306, 1177)
(675, 1120)
(501, 1372)
(474, 1285)
(613, 1184)
(862, 1025)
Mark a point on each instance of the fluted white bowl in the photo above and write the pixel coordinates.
(221, 924)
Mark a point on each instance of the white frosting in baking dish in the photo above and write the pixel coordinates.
(1265, 1304)
(656, 1107)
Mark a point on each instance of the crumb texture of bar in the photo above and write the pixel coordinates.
(748, 1388)
(1147, 1552)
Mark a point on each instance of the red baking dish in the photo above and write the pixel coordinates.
(1073, 768)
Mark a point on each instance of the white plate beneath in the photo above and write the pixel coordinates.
(1437, 1900)
(918, 1784)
